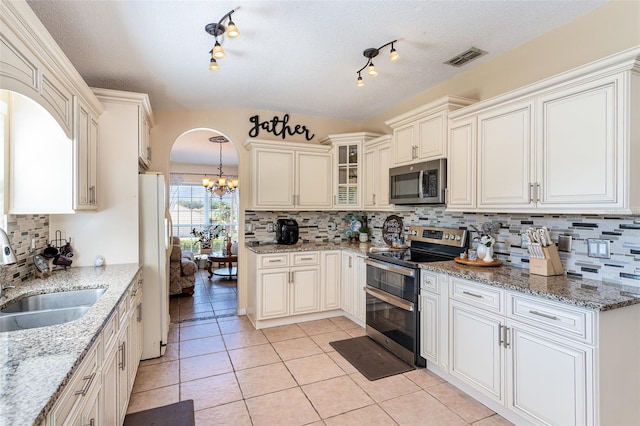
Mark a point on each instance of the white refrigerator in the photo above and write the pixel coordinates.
(155, 248)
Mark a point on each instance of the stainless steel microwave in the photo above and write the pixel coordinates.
(420, 183)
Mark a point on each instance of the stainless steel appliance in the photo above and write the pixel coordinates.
(286, 231)
(421, 183)
(393, 285)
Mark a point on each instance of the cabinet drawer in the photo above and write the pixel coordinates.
(305, 258)
(274, 260)
(552, 317)
(481, 296)
(76, 390)
(429, 281)
(109, 333)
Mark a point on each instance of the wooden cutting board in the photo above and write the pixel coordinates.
(478, 262)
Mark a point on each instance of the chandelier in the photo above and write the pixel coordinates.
(372, 53)
(220, 186)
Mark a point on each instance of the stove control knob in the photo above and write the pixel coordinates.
(458, 238)
(445, 236)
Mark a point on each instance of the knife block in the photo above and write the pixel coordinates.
(548, 266)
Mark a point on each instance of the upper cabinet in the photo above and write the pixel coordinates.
(348, 167)
(377, 160)
(145, 122)
(289, 175)
(421, 134)
(62, 145)
(564, 145)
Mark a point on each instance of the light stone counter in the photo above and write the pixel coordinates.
(585, 293)
(36, 363)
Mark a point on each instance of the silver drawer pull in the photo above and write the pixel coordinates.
(306, 258)
(274, 260)
(85, 388)
(92, 422)
(468, 293)
(553, 317)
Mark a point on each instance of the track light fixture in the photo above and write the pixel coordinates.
(372, 53)
(217, 30)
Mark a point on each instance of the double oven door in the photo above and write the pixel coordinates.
(391, 307)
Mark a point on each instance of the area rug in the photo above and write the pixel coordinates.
(370, 358)
(178, 414)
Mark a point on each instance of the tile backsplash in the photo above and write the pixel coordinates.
(21, 229)
(623, 232)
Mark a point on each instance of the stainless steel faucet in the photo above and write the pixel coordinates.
(3, 288)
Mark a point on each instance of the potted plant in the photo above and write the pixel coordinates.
(206, 236)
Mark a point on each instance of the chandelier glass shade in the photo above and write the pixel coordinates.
(220, 185)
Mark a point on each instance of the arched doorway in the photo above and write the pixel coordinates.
(205, 220)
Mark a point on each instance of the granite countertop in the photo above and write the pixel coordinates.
(35, 364)
(360, 248)
(585, 293)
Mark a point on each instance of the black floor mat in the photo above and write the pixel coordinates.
(178, 414)
(370, 358)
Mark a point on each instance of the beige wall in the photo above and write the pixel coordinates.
(610, 29)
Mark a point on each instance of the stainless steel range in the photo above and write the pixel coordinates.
(393, 285)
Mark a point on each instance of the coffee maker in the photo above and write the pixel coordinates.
(286, 231)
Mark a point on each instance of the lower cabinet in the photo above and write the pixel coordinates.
(330, 279)
(532, 359)
(98, 393)
(353, 278)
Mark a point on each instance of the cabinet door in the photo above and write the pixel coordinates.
(348, 179)
(432, 136)
(305, 290)
(85, 159)
(273, 297)
(144, 148)
(505, 159)
(369, 183)
(381, 199)
(404, 151)
(110, 413)
(122, 380)
(330, 280)
(476, 352)
(578, 149)
(360, 297)
(314, 187)
(273, 179)
(461, 165)
(429, 326)
(550, 378)
(347, 283)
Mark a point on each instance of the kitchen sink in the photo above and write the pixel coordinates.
(34, 319)
(48, 301)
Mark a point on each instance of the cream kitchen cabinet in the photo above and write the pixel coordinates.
(290, 176)
(330, 261)
(348, 167)
(144, 136)
(461, 165)
(377, 161)
(85, 153)
(421, 134)
(288, 284)
(352, 281)
(563, 145)
(433, 318)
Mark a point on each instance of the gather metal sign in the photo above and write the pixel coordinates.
(278, 127)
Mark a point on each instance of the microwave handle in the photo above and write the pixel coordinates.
(420, 188)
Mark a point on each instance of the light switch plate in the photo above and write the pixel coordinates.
(599, 248)
(271, 227)
(564, 243)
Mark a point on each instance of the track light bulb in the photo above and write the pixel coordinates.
(360, 81)
(213, 65)
(218, 51)
(371, 70)
(232, 30)
(393, 55)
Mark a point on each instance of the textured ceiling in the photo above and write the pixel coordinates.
(292, 56)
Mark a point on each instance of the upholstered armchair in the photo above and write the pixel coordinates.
(182, 271)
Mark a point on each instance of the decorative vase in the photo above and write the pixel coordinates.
(488, 257)
(482, 251)
(364, 237)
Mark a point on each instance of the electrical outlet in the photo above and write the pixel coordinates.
(599, 248)
(523, 241)
(332, 226)
(270, 227)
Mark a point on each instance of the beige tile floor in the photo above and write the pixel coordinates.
(287, 375)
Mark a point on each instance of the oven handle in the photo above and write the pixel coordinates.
(389, 298)
(408, 272)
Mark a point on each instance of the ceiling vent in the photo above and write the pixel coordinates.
(466, 57)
